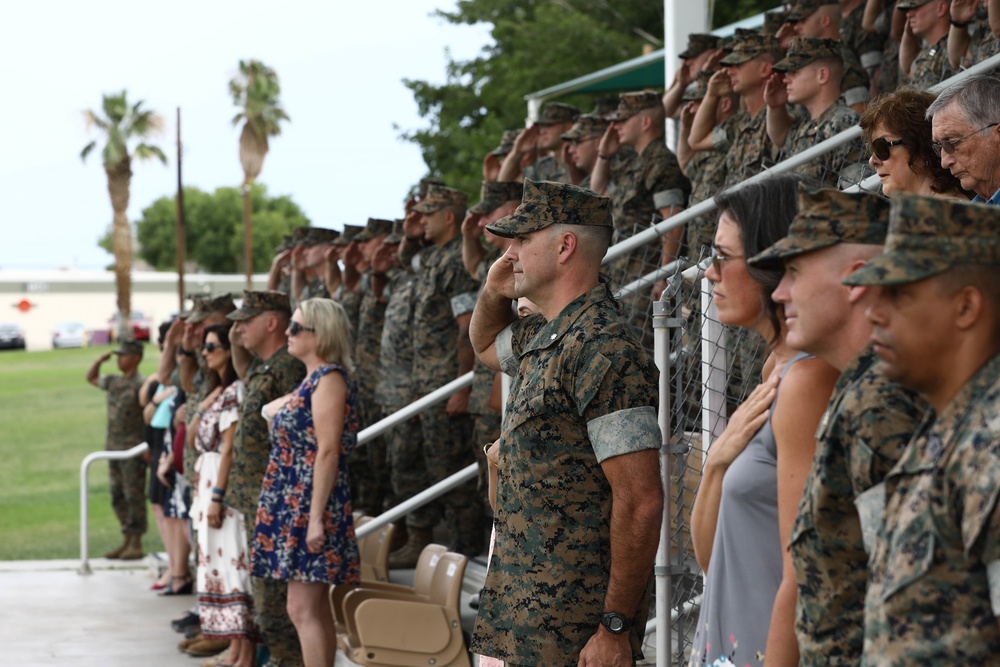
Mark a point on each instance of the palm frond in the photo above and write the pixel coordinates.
(87, 149)
(148, 151)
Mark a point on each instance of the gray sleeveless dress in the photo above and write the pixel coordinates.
(745, 569)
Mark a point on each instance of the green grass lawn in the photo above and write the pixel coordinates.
(50, 419)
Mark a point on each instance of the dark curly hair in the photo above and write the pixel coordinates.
(901, 112)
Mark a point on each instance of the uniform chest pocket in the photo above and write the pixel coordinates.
(911, 555)
(524, 411)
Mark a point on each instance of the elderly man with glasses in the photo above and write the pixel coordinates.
(965, 121)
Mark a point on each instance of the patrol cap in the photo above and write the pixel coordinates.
(375, 227)
(129, 346)
(256, 302)
(506, 143)
(696, 89)
(750, 46)
(773, 21)
(321, 236)
(549, 203)
(827, 217)
(804, 9)
(629, 104)
(698, 43)
(556, 112)
(299, 235)
(928, 236)
(805, 50)
(346, 236)
(425, 183)
(205, 306)
(604, 106)
(439, 197)
(587, 125)
(396, 237)
(286, 244)
(910, 4)
(494, 194)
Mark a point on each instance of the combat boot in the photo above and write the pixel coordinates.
(406, 556)
(399, 536)
(133, 548)
(117, 553)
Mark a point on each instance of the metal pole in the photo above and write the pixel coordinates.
(415, 408)
(661, 570)
(87, 460)
(181, 232)
(247, 235)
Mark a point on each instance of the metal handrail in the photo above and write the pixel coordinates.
(122, 455)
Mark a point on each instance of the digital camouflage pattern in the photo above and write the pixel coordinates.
(749, 45)
(375, 227)
(826, 217)
(506, 144)
(347, 235)
(936, 563)
(580, 374)
(863, 43)
(929, 235)
(807, 132)
(805, 8)
(931, 66)
(266, 380)
(554, 113)
(547, 169)
(439, 197)
(805, 50)
(750, 149)
(707, 171)
(982, 42)
(125, 430)
(651, 181)
(697, 44)
(203, 307)
(547, 203)
(320, 236)
(586, 126)
(395, 362)
(372, 479)
(493, 194)
(866, 427)
(351, 301)
(256, 302)
(629, 104)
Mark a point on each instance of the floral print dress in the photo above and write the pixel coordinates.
(279, 549)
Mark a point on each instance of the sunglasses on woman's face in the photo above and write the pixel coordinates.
(294, 329)
(212, 347)
(880, 147)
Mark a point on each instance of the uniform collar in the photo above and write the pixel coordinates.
(564, 321)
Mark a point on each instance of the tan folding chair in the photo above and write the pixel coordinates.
(374, 551)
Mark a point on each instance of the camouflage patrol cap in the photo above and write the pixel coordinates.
(586, 126)
(375, 227)
(439, 197)
(256, 302)
(604, 106)
(299, 235)
(805, 50)
(698, 43)
(773, 21)
(827, 217)
(129, 346)
(556, 112)
(286, 244)
(396, 237)
(425, 183)
(346, 236)
(750, 46)
(910, 4)
(321, 236)
(549, 203)
(506, 143)
(696, 89)
(494, 194)
(629, 104)
(208, 305)
(928, 236)
(804, 8)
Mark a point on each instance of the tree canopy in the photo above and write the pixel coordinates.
(214, 228)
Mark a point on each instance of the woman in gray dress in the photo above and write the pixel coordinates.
(755, 471)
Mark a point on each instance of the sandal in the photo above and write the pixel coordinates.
(187, 588)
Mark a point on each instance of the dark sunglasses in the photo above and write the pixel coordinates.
(949, 145)
(718, 258)
(880, 147)
(294, 329)
(212, 347)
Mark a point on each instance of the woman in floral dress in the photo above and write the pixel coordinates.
(224, 597)
(305, 531)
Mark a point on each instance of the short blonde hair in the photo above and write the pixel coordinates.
(333, 330)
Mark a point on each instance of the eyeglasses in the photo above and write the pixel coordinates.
(212, 347)
(880, 147)
(294, 329)
(949, 145)
(718, 258)
(582, 140)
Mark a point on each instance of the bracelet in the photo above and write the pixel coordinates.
(217, 491)
(186, 353)
(602, 157)
(960, 24)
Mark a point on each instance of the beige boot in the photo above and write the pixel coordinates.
(117, 553)
(133, 548)
(406, 556)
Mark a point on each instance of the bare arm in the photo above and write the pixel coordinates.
(493, 312)
(636, 514)
(704, 121)
(222, 478)
(672, 101)
(241, 356)
(168, 358)
(189, 363)
(525, 144)
(472, 248)
(994, 14)
(873, 9)
(332, 276)
(909, 47)
(298, 272)
(805, 393)
(413, 232)
(328, 406)
(962, 11)
(94, 372)
(778, 120)
(600, 175)
(458, 403)
(278, 265)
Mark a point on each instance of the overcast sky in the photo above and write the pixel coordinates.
(340, 65)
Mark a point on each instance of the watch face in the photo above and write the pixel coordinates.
(615, 624)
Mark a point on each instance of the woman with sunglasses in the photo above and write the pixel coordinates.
(901, 147)
(305, 531)
(224, 597)
(755, 471)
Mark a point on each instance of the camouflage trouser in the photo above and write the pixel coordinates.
(407, 471)
(369, 467)
(485, 429)
(446, 451)
(128, 494)
(270, 605)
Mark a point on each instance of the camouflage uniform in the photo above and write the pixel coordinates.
(934, 588)
(982, 42)
(548, 168)
(866, 45)
(931, 65)
(573, 376)
(126, 430)
(485, 420)
(374, 487)
(825, 171)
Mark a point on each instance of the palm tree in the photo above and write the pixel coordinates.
(121, 124)
(255, 90)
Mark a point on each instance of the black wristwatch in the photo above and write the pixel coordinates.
(616, 623)
(186, 353)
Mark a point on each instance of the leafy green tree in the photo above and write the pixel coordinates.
(122, 124)
(214, 224)
(256, 91)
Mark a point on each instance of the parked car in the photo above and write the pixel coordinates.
(68, 334)
(140, 325)
(11, 336)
